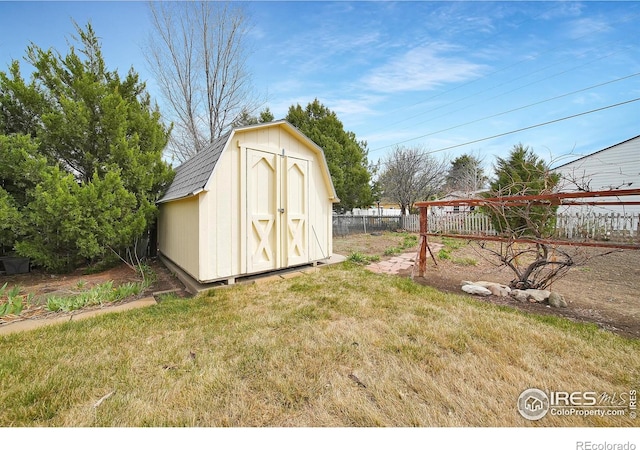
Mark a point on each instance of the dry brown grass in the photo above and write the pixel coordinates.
(369, 244)
(340, 347)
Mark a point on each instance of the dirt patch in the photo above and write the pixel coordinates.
(43, 285)
(604, 291)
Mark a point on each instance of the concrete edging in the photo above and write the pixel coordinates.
(32, 324)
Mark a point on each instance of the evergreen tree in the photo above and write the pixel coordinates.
(20, 171)
(523, 173)
(10, 219)
(346, 156)
(86, 152)
(245, 118)
(266, 116)
(21, 104)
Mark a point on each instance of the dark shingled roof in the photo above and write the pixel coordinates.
(192, 176)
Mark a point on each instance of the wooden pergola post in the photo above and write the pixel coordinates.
(422, 246)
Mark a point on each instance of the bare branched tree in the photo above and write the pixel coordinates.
(466, 174)
(411, 174)
(198, 53)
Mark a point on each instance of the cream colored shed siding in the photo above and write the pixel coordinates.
(206, 234)
(607, 169)
(178, 233)
(276, 139)
(219, 210)
(320, 214)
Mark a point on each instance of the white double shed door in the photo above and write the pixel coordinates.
(277, 210)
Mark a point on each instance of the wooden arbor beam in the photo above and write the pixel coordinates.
(556, 199)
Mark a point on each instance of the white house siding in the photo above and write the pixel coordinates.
(616, 167)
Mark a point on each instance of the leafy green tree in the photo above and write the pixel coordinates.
(95, 121)
(346, 156)
(84, 162)
(10, 219)
(20, 171)
(21, 166)
(21, 104)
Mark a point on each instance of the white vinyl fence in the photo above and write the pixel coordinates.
(613, 226)
(618, 227)
(460, 223)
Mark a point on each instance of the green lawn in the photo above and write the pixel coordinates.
(340, 347)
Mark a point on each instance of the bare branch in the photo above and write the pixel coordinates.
(410, 175)
(198, 55)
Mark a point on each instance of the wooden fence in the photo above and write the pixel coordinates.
(615, 227)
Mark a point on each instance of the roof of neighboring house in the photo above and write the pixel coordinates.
(594, 153)
(192, 176)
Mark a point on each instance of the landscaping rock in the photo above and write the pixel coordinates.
(557, 300)
(496, 288)
(519, 295)
(499, 290)
(476, 290)
(538, 295)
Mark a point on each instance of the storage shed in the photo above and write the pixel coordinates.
(257, 199)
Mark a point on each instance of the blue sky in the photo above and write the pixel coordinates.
(434, 74)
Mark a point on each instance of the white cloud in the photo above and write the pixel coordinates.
(587, 26)
(587, 99)
(354, 107)
(562, 9)
(421, 69)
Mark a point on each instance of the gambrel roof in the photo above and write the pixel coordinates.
(192, 176)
